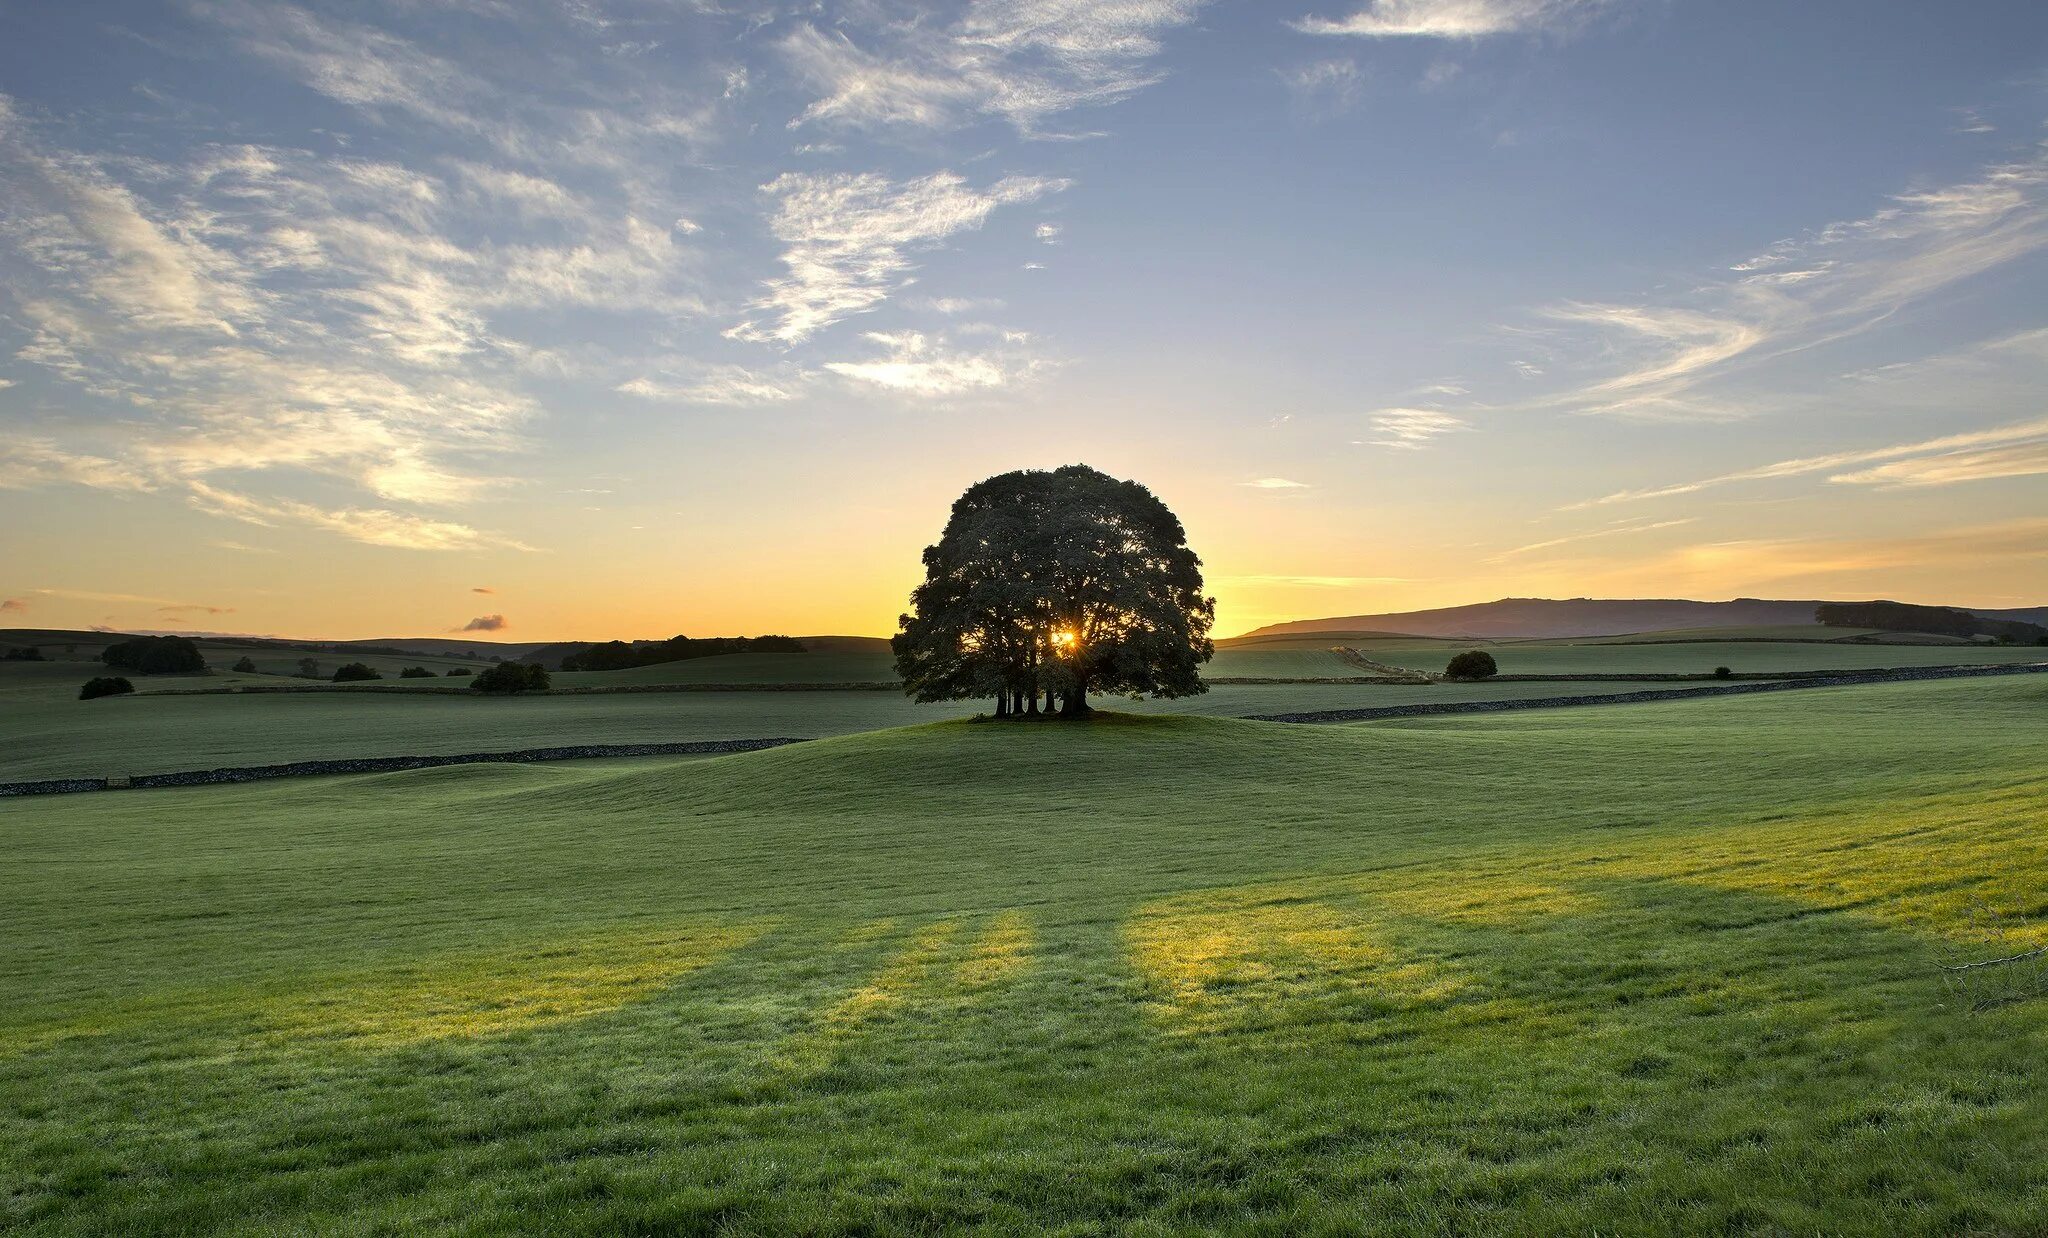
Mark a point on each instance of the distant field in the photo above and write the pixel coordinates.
(45, 733)
(1551, 658)
(1665, 969)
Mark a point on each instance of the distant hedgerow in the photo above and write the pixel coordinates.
(1472, 664)
(355, 672)
(512, 677)
(105, 685)
(155, 655)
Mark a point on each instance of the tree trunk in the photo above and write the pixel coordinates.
(1077, 701)
(1002, 704)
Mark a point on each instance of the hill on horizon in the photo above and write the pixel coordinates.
(1510, 618)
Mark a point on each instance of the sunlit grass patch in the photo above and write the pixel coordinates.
(1454, 897)
(491, 994)
(1001, 952)
(1220, 963)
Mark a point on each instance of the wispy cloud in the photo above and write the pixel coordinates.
(1017, 61)
(722, 384)
(1590, 535)
(485, 623)
(375, 526)
(1949, 468)
(2027, 432)
(13, 606)
(1411, 429)
(1314, 582)
(850, 237)
(1450, 19)
(1324, 87)
(1274, 483)
(917, 364)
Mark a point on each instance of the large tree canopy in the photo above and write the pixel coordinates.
(1056, 584)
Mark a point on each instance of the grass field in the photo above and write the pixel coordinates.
(1664, 968)
(49, 734)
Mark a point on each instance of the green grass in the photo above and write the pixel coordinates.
(47, 733)
(1667, 968)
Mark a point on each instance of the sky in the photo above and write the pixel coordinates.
(584, 319)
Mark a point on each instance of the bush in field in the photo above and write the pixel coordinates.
(105, 685)
(355, 672)
(1722, 672)
(415, 672)
(309, 668)
(512, 677)
(246, 666)
(1472, 664)
(155, 655)
(460, 672)
(26, 653)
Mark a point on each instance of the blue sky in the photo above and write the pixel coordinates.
(623, 317)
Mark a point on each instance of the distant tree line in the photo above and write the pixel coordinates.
(621, 655)
(1936, 620)
(1053, 585)
(155, 655)
(22, 653)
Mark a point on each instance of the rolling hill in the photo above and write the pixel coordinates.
(1561, 617)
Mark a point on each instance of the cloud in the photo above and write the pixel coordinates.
(1017, 61)
(725, 384)
(2022, 460)
(1315, 582)
(1450, 19)
(849, 237)
(12, 606)
(920, 365)
(1753, 564)
(482, 589)
(1049, 233)
(1411, 429)
(484, 623)
(1617, 531)
(1274, 483)
(223, 543)
(1325, 87)
(374, 526)
(186, 611)
(2025, 432)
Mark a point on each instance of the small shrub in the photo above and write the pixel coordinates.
(512, 677)
(247, 666)
(105, 685)
(415, 672)
(26, 653)
(1472, 664)
(460, 672)
(1722, 672)
(355, 672)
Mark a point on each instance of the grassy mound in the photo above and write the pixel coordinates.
(1668, 968)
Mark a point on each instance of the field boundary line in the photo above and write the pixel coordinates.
(380, 765)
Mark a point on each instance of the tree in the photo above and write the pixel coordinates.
(1471, 664)
(22, 653)
(355, 672)
(415, 672)
(512, 677)
(105, 685)
(1056, 584)
(309, 667)
(154, 655)
(246, 666)
(459, 672)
